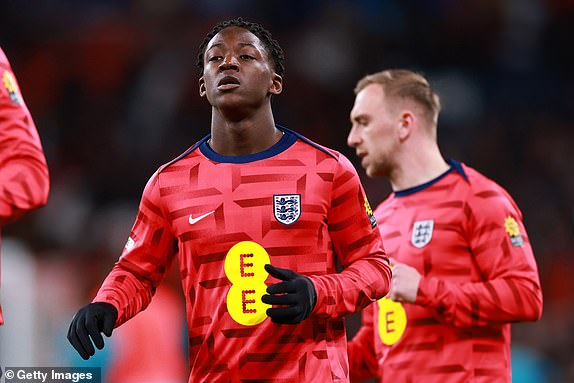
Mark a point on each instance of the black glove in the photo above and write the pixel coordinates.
(297, 293)
(91, 320)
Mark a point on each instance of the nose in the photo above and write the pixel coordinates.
(354, 138)
(229, 62)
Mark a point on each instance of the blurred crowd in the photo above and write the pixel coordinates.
(113, 88)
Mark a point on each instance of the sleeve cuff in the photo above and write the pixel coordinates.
(426, 292)
(320, 295)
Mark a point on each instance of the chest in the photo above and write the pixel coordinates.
(430, 235)
(210, 200)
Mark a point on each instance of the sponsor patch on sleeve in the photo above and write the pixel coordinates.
(12, 87)
(370, 213)
(513, 231)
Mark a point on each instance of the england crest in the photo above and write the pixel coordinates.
(422, 233)
(287, 208)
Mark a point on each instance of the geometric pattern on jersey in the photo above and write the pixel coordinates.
(475, 282)
(217, 216)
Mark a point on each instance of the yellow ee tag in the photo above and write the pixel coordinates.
(392, 321)
(244, 267)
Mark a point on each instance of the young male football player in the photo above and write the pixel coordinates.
(255, 215)
(463, 267)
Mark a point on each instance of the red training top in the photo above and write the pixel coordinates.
(296, 205)
(24, 179)
(465, 235)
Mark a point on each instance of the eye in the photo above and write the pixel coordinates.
(363, 122)
(214, 58)
(246, 57)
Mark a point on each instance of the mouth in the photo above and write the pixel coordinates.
(362, 156)
(228, 82)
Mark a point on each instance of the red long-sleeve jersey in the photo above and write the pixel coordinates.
(465, 235)
(24, 180)
(296, 205)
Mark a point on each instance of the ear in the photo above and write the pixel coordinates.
(202, 90)
(276, 84)
(406, 124)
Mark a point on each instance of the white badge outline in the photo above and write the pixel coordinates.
(276, 198)
(416, 233)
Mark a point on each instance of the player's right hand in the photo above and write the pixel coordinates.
(90, 321)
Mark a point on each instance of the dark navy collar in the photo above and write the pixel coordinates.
(454, 165)
(283, 144)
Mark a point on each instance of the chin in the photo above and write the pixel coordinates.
(376, 172)
(371, 172)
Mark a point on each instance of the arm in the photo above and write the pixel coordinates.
(129, 287)
(24, 180)
(146, 257)
(366, 273)
(510, 290)
(363, 363)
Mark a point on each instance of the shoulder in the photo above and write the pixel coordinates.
(189, 153)
(325, 157)
(170, 169)
(482, 186)
(487, 197)
(324, 153)
(312, 145)
(472, 183)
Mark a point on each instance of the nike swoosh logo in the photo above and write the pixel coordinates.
(197, 219)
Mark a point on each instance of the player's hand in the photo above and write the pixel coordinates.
(90, 321)
(296, 294)
(405, 283)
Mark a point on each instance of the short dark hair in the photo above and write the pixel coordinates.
(273, 49)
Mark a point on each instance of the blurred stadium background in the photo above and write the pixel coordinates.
(113, 89)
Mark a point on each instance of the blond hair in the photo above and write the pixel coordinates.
(407, 85)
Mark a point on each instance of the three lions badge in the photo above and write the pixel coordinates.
(287, 208)
(422, 233)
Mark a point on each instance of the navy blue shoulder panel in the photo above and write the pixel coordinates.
(454, 166)
(458, 167)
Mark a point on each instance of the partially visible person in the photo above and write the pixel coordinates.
(24, 178)
(256, 216)
(463, 266)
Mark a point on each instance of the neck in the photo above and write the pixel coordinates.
(417, 168)
(244, 136)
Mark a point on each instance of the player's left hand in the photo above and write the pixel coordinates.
(296, 294)
(405, 283)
